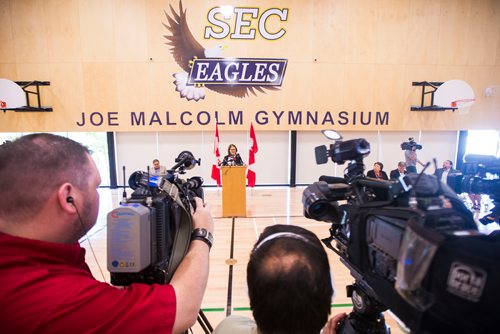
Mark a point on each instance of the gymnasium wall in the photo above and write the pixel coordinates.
(136, 151)
(349, 64)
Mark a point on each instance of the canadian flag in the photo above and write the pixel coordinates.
(215, 166)
(254, 148)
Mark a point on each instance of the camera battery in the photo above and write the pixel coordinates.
(129, 238)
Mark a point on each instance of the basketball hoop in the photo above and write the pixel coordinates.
(462, 103)
(11, 95)
(454, 94)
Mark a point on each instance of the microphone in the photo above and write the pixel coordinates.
(412, 200)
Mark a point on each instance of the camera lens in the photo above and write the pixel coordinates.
(134, 180)
(194, 182)
(318, 209)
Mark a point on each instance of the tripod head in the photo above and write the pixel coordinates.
(366, 316)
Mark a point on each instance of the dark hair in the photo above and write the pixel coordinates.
(289, 281)
(156, 160)
(50, 161)
(380, 164)
(229, 148)
(451, 162)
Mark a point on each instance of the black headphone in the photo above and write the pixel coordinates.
(70, 200)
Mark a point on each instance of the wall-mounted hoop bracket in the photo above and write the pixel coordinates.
(432, 86)
(25, 85)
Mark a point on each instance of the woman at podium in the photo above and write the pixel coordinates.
(232, 158)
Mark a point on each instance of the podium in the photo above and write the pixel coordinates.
(234, 196)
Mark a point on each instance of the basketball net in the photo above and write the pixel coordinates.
(462, 103)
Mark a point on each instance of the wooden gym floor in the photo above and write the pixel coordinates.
(226, 292)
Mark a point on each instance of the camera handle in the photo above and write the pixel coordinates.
(184, 161)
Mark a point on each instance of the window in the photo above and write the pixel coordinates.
(95, 141)
(485, 142)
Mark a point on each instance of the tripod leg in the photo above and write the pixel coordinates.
(204, 323)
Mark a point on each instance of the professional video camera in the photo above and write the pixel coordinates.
(412, 247)
(150, 232)
(479, 175)
(408, 145)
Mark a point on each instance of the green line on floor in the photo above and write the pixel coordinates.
(341, 305)
(214, 309)
(221, 309)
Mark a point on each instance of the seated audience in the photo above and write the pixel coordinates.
(45, 284)
(289, 285)
(232, 158)
(442, 173)
(158, 169)
(377, 172)
(400, 171)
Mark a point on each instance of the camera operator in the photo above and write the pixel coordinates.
(411, 159)
(45, 283)
(289, 285)
(158, 169)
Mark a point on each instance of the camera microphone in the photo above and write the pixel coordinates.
(124, 194)
(412, 201)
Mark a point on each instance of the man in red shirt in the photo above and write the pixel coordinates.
(45, 284)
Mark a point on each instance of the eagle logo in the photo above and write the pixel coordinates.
(230, 76)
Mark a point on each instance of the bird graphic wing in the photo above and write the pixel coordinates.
(184, 46)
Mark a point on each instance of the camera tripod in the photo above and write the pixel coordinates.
(366, 317)
(204, 324)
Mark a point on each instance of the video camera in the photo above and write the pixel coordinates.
(149, 233)
(408, 145)
(412, 247)
(479, 175)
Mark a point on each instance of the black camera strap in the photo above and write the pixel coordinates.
(182, 237)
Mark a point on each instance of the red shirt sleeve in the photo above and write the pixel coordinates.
(48, 288)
